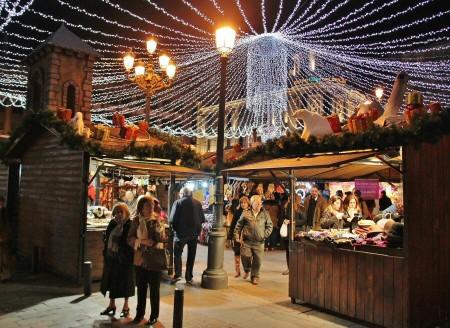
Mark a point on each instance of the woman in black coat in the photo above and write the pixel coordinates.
(118, 272)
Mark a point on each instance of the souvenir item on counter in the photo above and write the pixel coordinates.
(314, 124)
(365, 223)
(279, 189)
(395, 100)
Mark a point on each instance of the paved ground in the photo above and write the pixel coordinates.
(44, 301)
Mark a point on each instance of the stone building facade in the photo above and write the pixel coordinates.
(60, 74)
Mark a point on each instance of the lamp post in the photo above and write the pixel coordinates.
(215, 277)
(146, 76)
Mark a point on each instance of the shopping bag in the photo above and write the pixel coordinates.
(284, 230)
(156, 259)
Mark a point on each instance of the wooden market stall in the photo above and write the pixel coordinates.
(52, 191)
(173, 173)
(403, 287)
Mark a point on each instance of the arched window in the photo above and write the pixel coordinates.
(70, 97)
(36, 102)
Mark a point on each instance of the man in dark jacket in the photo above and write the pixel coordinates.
(186, 218)
(255, 225)
(314, 206)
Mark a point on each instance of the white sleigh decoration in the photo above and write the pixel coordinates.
(395, 99)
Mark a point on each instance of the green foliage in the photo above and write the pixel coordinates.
(428, 128)
(172, 149)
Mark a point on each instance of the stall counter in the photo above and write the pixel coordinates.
(364, 285)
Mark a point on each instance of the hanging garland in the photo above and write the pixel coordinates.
(428, 128)
(172, 148)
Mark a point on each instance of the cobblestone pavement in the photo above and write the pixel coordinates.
(45, 301)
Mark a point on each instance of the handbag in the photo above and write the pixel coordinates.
(284, 230)
(155, 259)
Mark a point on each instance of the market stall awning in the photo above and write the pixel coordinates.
(344, 166)
(159, 170)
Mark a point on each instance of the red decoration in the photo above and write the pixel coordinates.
(64, 114)
(118, 120)
(131, 133)
(435, 108)
(334, 122)
(237, 148)
(143, 126)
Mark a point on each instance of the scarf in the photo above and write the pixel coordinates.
(114, 237)
(142, 232)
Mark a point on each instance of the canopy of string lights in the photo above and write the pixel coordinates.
(325, 56)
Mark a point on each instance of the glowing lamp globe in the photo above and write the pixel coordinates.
(151, 45)
(139, 69)
(128, 61)
(170, 70)
(164, 60)
(225, 38)
(379, 93)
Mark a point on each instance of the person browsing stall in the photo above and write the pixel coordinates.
(186, 218)
(314, 206)
(255, 225)
(334, 216)
(146, 233)
(118, 272)
(244, 204)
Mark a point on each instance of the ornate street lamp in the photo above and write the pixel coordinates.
(149, 79)
(215, 277)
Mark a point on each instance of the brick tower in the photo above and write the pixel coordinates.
(60, 74)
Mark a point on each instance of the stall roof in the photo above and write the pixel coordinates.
(344, 166)
(160, 170)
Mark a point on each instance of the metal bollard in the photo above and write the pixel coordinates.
(35, 259)
(87, 278)
(178, 307)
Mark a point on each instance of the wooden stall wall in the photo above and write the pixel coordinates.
(3, 180)
(51, 192)
(427, 200)
(360, 285)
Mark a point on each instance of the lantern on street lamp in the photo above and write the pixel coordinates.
(215, 277)
(170, 70)
(139, 69)
(146, 76)
(225, 38)
(164, 60)
(151, 45)
(128, 61)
